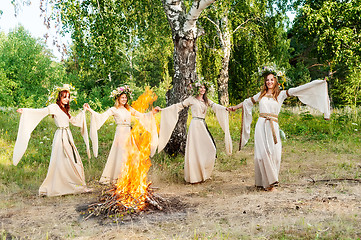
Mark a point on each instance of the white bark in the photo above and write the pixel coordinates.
(184, 33)
(190, 26)
(182, 24)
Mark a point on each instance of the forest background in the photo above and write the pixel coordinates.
(131, 42)
(113, 44)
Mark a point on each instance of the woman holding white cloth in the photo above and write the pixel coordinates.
(200, 152)
(65, 173)
(122, 114)
(268, 146)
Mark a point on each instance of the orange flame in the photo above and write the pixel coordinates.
(132, 186)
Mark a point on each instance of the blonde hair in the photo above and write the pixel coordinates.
(276, 89)
(117, 104)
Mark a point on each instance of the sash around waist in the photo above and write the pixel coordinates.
(271, 118)
(123, 125)
(198, 118)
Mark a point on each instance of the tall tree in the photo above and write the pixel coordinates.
(241, 36)
(227, 18)
(184, 34)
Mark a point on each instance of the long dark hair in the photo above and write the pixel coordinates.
(205, 98)
(65, 107)
(276, 89)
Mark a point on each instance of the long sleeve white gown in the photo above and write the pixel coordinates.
(65, 173)
(118, 153)
(200, 151)
(268, 146)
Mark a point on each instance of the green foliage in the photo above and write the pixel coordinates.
(352, 87)
(26, 70)
(114, 44)
(326, 38)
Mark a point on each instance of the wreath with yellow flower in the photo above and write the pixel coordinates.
(272, 68)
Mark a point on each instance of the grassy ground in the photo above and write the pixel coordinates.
(314, 149)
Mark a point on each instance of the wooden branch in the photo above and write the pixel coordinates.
(335, 179)
(240, 26)
(217, 27)
(315, 65)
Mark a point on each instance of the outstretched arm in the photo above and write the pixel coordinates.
(29, 119)
(234, 108)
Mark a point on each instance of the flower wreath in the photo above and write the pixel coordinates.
(194, 87)
(272, 68)
(56, 90)
(120, 90)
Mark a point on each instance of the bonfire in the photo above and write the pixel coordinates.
(132, 192)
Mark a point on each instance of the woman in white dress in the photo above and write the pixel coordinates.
(122, 114)
(66, 173)
(200, 152)
(268, 146)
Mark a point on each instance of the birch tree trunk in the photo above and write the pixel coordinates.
(185, 34)
(223, 77)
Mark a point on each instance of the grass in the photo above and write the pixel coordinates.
(313, 148)
(306, 134)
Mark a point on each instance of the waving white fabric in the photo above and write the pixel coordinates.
(29, 119)
(147, 120)
(247, 120)
(314, 94)
(223, 119)
(97, 120)
(80, 121)
(169, 118)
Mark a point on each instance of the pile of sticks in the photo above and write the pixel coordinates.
(111, 203)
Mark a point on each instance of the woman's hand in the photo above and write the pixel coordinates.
(156, 109)
(86, 107)
(20, 110)
(231, 109)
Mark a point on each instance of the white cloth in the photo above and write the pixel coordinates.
(200, 149)
(65, 173)
(267, 154)
(118, 154)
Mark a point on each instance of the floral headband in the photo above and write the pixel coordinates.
(272, 69)
(194, 87)
(120, 90)
(56, 90)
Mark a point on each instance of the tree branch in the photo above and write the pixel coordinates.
(217, 27)
(191, 19)
(240, 26)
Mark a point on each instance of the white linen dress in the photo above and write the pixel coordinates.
(118, 154)
(268, 146)
(200, 152)
(66, 173)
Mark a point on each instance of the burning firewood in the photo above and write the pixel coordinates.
(132, 192)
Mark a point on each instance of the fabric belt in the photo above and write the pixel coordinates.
(198, 118)
(73, 149)
(124, 125)
(271, 118)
